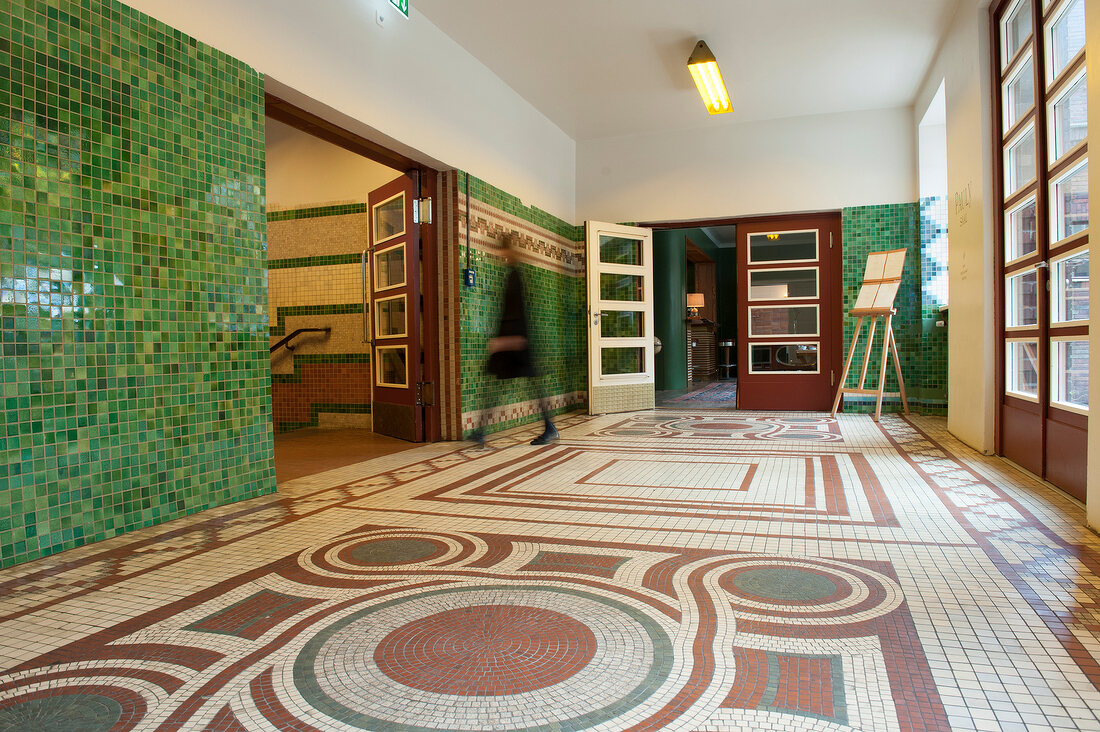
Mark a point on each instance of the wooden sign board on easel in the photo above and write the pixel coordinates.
(881, 280)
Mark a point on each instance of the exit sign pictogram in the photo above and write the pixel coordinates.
(402, 5)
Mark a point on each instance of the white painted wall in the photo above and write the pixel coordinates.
(932, 146)
(963, 65)
(794, 164)
(1092, 60)
(334, 52)
(303, 170)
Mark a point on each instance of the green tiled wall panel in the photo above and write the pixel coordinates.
(921, 347)
(556, 312)
(133, 320)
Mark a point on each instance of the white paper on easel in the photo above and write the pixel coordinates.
(884, 298)
(866, 297)
(876, 265)
(895, 262)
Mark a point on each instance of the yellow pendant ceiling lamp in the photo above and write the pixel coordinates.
(708, 80)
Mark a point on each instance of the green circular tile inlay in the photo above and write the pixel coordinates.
(785, 584)
(64, 713)
(393, 551)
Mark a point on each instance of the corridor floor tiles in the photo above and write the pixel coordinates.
(662, 570)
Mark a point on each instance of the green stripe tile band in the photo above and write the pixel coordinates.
(316, 212)
(353, 258)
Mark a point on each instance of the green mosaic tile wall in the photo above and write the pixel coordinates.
(132, 277)
(922, 348)
(555, 308)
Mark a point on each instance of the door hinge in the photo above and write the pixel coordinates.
(830, 240)
(422, 211)
(425, 394)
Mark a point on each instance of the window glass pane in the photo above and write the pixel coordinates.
(391, 366)
(768, 357)
(616, 361)
(619, 250)
(391, 316)
(1019, 94)
(1022, 367)
(1070, 283)
(1020, 162)
(1071, 203)
(389, 268)
(389, 218)
(801, 320)
(1070, 377)
(790, 246)
(1022, 299)
(621, 324)
(621, 287)
(1015, 30)
(1020, 231)
(1069, 118)
(778, 284)
(1067, 37)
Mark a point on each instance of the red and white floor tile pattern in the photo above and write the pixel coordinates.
(658, 570)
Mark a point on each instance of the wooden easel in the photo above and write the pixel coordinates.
(881, 280)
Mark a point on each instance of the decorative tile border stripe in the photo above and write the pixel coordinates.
(509, 204)
(281, 314)
(536, 245)
(315, 212)
(351, 258)
(310, 359)
(512, 415)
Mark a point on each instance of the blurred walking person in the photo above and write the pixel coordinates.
(510, 350)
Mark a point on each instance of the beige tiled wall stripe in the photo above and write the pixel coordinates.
(317, 237)
(334, 284)
(620, 398)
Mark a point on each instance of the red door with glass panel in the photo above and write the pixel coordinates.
(789, 324)
(394, 312)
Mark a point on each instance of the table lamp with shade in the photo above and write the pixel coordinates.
(694, 302)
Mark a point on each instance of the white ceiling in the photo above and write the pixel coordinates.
(604, 68)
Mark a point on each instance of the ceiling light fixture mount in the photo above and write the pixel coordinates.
(708, 80)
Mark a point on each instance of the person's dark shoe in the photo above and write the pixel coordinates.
(550, 434)
(478, 437)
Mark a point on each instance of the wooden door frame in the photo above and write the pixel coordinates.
(836, 322)
(1046, 413)
(428, 179)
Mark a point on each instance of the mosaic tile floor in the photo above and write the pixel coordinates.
(653, 571)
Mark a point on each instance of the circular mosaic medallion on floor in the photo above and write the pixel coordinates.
(808, 591)
(72, 709)
(537, 651)
(486, 650)
(380, 550)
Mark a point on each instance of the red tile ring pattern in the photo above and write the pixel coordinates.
(725, 427)
(859, 593)
(507, 646)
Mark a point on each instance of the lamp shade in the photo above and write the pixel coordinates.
(708, 80)
(695, 299)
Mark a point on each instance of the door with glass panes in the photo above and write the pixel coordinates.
(788, 277)
(620, 318)
(1043, 237)
(393, 311)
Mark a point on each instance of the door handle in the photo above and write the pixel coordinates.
(595, 318)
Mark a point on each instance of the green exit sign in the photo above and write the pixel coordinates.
(402, 5)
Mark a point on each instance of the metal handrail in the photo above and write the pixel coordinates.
(286, 341)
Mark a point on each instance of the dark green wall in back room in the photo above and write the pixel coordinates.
(671, 273)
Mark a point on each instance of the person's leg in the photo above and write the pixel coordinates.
(549, 432)
(478, 435)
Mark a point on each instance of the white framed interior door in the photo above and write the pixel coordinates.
(620, 317)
